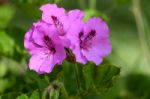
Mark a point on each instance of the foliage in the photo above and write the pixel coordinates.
(62, 82)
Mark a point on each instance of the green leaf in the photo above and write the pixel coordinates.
(6, 43)
(23, 96)
(67, 76)
(98, 79)
(35, 95)
(122, 2)
(4, 84)
(6, 14)
(138, 85)
(92, 79)
(11, 95)
(94, 13)
(3, 69)
(88, 72)
(104, 76)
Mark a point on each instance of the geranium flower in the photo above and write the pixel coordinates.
(74, 15)
(45, 47)
(90, 41)
(58, 31)
(54, 15)
(62, 21)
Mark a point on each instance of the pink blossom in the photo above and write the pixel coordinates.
(54, 15)
(74, 15)
(90, 41)
(62, 21)
(47, 39)
(45, 47)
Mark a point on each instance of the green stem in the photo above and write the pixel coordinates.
(141, 31)
(64, 91)
(44, 94)
(82, 4)
(51, 88)
(77, 76)
(92, 4)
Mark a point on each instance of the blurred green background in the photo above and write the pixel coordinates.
(129, 22)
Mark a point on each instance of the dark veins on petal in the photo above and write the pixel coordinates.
(32, 40)
(85, 43)
(82, 45)
(91, 35)
(58, 25)
(80, 34)
(49, 44)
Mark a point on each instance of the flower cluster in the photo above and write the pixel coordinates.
(57, 31)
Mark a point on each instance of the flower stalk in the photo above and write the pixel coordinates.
(141, 31)
(77, 76)
(92, 4)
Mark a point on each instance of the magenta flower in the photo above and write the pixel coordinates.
(45, 46)
(54, 15)
(73, 16)
(90, 41)
(62, 21)
(58, 17)
(47, 39)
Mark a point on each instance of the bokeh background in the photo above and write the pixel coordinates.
(129, 22)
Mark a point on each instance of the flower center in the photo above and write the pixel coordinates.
(58, 25)
(86, 42)
(49, 44)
